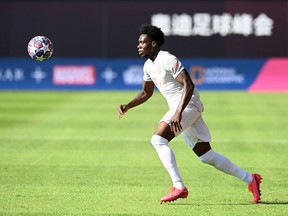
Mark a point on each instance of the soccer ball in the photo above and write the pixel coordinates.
(40, 48)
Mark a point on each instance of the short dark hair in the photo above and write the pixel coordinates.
(153, 32)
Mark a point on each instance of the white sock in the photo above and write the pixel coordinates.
(168, 160)
(223, 164)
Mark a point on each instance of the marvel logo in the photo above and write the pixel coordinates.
(74, 75)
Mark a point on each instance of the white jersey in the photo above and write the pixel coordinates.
(163, 72)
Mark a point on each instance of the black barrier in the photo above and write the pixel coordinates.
(106, 29)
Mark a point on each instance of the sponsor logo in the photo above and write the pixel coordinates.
(74, 75)
(197, 74)
(133, 75)
(11, 74)
(216, 75)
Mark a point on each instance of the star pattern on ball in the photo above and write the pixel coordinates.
(43, 49)
(32, 48)
(41, 58)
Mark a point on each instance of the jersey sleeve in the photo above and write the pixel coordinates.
(173, 65)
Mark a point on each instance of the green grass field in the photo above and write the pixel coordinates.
(66, 153)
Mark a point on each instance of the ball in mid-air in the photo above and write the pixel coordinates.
(40, 48)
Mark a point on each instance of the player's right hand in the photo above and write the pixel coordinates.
(122, 109)
(175, 124)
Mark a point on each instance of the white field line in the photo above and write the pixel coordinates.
(134, 139)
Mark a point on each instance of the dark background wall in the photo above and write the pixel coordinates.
(105, 29)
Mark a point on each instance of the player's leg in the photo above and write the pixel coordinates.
(160, 140)
(207, 155)
(197, 136)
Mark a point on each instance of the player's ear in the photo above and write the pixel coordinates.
(154, 43)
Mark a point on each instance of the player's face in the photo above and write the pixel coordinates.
(145, 48)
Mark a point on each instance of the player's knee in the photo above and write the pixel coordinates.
(207, 157)
(158, 141)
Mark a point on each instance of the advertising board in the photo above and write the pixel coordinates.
(127, 74)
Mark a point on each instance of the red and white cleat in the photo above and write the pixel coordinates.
(254, 187)
(175, 194)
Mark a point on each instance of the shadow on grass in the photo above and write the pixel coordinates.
(230, 204)
(274, 203)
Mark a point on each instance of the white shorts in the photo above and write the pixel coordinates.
(194, 128)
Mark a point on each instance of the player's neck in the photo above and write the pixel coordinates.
(154, 55)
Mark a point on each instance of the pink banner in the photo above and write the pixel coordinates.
(273, 76)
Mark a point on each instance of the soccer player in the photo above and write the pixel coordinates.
(184, 116)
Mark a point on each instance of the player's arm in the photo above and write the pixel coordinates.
(188, 87)
(142, 96)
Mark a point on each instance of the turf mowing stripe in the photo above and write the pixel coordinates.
(135, 139)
